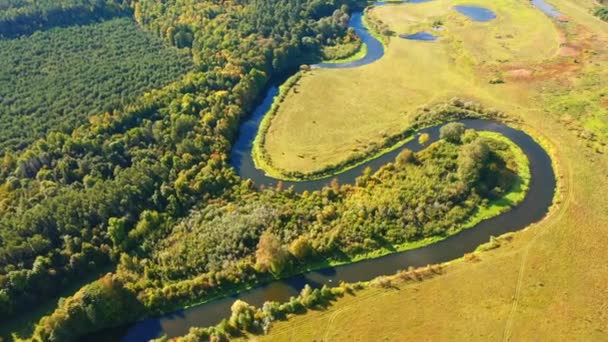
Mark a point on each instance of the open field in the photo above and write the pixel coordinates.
(551, 281)
(332, 114)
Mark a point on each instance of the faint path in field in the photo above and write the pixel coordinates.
(520, 279)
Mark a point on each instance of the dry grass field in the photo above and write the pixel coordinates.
(550, 283)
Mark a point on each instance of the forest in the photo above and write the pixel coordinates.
(68, 195)
(56, 79)
(279, 231)
(136, 186)
(23, 17)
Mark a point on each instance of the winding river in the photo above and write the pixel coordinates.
(375, 49)
(532, 209)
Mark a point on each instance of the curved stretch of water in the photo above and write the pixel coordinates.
(533, 208)
(476, 13)
(375, 49)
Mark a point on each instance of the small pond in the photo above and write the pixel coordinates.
(476, 13)
(425, 36)
(546, 8)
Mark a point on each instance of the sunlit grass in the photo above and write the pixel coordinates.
(331, 115)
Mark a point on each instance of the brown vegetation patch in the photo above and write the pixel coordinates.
(569, 50)
(558, 68)
(561, 70)
(520, 74)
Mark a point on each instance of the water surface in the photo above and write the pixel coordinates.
(424, 36)
(375, 49)
(546, 8)
(476, 13)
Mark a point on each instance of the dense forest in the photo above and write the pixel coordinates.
(23, 17)
(67, 198)
(146, 186)
(56, 79)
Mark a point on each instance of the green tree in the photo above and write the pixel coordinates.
(102, 304)
(271, 255)
(301, 248)
(452, 132)
(406, 156)
(469, 136)
(242, 315)
(471, 160)
(423, 139)
(117, 230)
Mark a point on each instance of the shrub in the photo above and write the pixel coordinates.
(406, 156)
(273, 311)
(469, 136)
(301, 248)
(423, 139)
(271, 255)
(602, 13)
(452, 132)
(242, 316)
